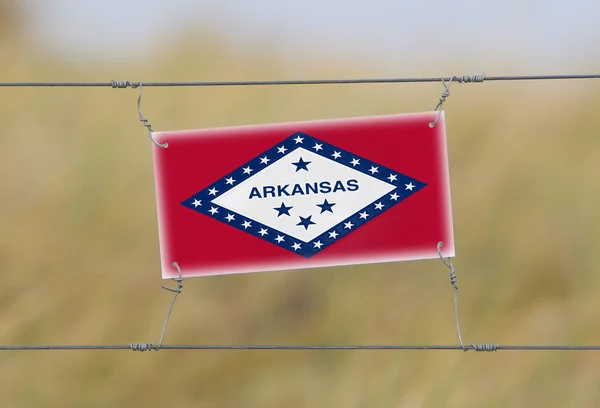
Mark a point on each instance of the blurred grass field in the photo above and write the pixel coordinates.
(80, 261)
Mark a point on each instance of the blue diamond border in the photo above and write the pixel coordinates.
(282, 239)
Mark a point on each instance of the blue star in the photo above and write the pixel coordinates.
(283, 210)
(301, 165)
(305, 222)
(326, 206)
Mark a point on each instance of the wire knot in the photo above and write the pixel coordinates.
(124, 84)
(453, 278)
(443, 98)
(468, 79)
(484, 347)
(142, 347)
(449, 265)
(179, 281)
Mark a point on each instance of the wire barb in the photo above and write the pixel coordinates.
(124, 84)
(141, 347)
(466, 79)
(141, 115)
(485, 347)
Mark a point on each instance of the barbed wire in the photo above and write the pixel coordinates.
(141, 347)
(459, 79)
(151, 347)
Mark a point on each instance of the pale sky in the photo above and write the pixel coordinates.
(550, 36)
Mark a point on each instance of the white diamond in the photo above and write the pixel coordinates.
(283, 172)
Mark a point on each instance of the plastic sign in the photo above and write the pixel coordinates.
(303, 195)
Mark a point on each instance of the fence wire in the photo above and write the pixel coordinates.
(141, 347)
(151, 347)
(459, 79)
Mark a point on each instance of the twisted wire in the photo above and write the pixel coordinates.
(176, 292)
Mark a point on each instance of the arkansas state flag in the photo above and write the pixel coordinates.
(303, 195)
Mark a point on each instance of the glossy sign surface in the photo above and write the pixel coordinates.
(303, 195)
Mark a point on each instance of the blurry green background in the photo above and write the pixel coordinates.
(79, 247)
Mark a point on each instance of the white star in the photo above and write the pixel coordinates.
(374, 170)
(230, 217)
(409, 186)
(247, 170)
(355, 162)
(229, 180)
(296, 246)
(348, 225)
(262, 232)
(279, 239)
(336, 155)
(392, 177)
(318, 244)
(264, 160)
(364, 215)
(246, 224)
(196, 203)
(281, 149)
(379, 206)
(298, 139)
(212, 191)
(394, 197)
(333, 234)
(213, 210)
(318, 147)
